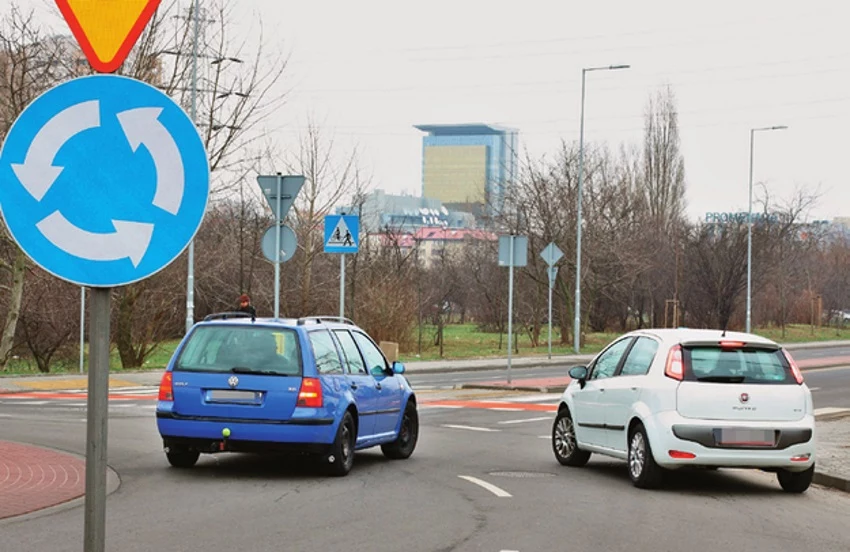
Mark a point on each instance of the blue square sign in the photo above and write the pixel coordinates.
(342, 233)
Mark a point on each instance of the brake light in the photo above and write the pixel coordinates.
(798, 375)
(681, 455)
(801, 458)
(310, 394)
(166, 388)
(731, 344)
(675, 367)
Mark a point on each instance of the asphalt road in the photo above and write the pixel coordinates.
(437, 500)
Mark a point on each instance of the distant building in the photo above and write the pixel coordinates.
(468, 166)
(432, 243)
(382, 212)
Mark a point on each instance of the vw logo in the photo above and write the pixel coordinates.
(745, 397)
(232, 381)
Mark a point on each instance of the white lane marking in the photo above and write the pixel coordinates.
(31, 403)
(428, 406)
(540, 419)
(506, 409)
(489, 486)
(544, 436)
(537, 397)
(814, 388)
(122, 405)
(71, 404)
(470, 428)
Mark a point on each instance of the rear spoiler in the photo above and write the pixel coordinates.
(733, 343)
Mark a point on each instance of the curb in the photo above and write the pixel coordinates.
(831, 481)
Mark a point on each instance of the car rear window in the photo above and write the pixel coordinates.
(736, 365)
(241, 349)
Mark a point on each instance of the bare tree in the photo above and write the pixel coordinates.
(331, 177)
(31, 61)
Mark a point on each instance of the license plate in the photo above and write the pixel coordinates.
(234, 395)
(743, 437)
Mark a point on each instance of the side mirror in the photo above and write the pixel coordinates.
(398, 368)
(579, 373)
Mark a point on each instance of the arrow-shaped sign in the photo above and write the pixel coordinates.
(106, 30)
(142, 126)
(130, 239)
(37, 173)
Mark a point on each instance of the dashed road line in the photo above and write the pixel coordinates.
(470, 428)
(489, 486)
(525, 420)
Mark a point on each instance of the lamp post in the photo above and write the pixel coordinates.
(750, 228)
(577, 321)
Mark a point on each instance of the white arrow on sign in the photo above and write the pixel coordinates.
(37, 173)
(130, 239)
(142, 126)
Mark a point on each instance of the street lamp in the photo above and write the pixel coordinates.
(750, 228)
(577, 321)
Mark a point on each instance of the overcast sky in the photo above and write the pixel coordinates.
(369, 70)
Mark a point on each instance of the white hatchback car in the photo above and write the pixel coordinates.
(667, 398)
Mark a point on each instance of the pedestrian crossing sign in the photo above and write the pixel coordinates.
(342, 233)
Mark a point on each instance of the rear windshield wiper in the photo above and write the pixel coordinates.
(723, 379)
(244, 370)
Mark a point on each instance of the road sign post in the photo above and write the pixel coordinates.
(342, 235)
(551, 254)
(96, 423)
(513, 251)
(280, 192)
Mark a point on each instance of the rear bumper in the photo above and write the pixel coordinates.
(206, 434)
(794, 447)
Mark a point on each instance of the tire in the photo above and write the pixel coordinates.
(340, 457)
(644, 472)
(408, 434)
(564, 443)
(795, 482)
(181, 457)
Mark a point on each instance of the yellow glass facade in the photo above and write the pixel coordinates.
(455, 174)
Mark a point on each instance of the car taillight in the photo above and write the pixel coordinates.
(310, 394)
(731, 344)
(798, 375)
(675, 366)
(166, 389)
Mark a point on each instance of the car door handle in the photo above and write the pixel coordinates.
(354, 386)
(634, 388)
(601, 390)
(378, 386)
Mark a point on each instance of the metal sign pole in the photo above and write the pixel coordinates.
(96, 427)
(342, 286)
(82, 327)
(551, 285)
(510, 305)
(277, 221)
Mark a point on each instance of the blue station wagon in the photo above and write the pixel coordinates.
(317, 385)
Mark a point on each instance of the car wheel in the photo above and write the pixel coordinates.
(564, 442)
(182, 458)
(644, 472)
(795, 482)
(408, 434)
(340, 458)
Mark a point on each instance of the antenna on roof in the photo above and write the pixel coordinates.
(724, 329)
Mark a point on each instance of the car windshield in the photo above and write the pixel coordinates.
(736, 365)
(241, 349)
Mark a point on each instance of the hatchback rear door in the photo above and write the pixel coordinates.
(739, 382)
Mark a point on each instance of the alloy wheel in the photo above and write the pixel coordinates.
(565, 437)
(637, 454)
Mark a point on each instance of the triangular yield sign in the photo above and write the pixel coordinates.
(107, 30)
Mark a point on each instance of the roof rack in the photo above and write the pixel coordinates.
(321, 319)
(226, 315)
